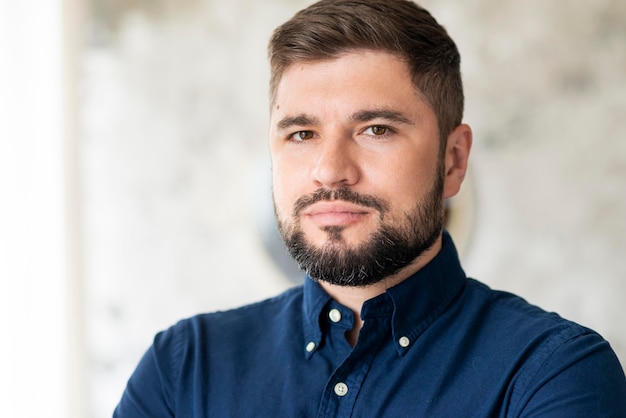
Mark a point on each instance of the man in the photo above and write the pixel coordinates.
(367, 143)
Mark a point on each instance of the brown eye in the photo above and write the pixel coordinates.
(303, 135)
(379, 130)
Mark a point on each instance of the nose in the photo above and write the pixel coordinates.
(336, 164)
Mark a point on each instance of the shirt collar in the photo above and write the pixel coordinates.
(416, 301)
(423, 297)
(315, 299)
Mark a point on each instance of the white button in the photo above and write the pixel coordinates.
(404, 342)
(310, 346)
(341, 389)
(334, 315)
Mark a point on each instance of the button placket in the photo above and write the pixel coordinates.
(344, 385)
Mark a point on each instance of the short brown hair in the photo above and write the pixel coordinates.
(330, 28)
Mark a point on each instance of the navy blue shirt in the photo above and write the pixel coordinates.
(436, 345)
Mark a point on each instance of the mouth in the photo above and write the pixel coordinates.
(338, 208)
(335, 213)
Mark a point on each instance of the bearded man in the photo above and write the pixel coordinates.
(367, 143)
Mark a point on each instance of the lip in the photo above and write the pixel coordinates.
(335, 213)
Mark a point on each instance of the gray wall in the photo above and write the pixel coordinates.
(174, 166)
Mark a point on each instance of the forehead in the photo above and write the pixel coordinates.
(358, 78)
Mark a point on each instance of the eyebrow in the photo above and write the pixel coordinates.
(299, 120)
(390, 115)
(360, 116)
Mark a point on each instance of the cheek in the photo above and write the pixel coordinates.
(406, 184)
(289, 179)
(282, 191)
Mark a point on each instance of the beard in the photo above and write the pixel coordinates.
(388, 250)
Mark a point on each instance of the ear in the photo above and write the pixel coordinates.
(457, 153)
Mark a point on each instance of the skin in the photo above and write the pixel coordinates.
(357, 121)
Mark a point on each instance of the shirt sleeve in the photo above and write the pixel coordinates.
(149, 392)
(580, 378)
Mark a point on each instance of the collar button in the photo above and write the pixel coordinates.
(404, 342)
(334, 315)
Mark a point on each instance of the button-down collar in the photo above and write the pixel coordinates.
(413, 304)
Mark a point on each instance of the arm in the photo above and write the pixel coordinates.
(150, 388)
(580, 378)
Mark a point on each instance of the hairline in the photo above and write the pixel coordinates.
(275, 80)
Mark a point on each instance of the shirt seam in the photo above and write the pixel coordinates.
(181, 335)
(549, 348)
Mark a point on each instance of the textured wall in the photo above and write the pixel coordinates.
(175, 169)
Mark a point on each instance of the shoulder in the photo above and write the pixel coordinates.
(522, 333)
(552, 360)
(506, 308)
(512, 321)
(220, 324)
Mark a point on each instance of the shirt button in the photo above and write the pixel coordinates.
(404, 342)
(341, 389)
(334, 315)
(310, 347)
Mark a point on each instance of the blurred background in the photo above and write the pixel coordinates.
(134, 174)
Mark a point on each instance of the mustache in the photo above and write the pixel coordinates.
(343, 194)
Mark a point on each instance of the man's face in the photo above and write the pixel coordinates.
(357, 174)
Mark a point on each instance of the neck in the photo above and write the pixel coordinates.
(355, 297)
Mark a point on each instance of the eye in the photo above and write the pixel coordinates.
(302, 135)
(377, 130)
